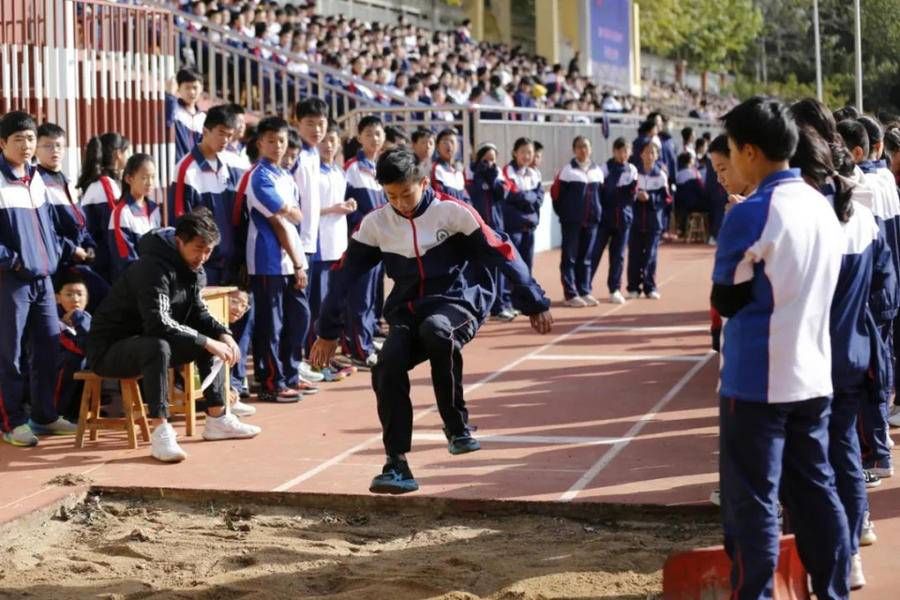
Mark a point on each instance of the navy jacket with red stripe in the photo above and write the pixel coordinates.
(440, 255)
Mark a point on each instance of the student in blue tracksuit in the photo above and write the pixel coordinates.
(620, 179)
(135, 214)
(438, 253)
(29, 253)
(75, 325)
(205, 178)
(522, 208)
(446, 178)
(78, 247)
(488, 190)
(576, 201)
(866, 296)
(182, 113)
(689, 190)
(361, 321)
(100, 184)
(884, 204)
(775, 381)
(276, 263)
(649, 223)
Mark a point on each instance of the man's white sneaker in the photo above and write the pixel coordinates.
(857, 578)
(617, 298)
(654, 295)
(307, 373)
(242, 409)
(867, 537)
(575, 302)
(634, 295)
(163, 444)
(228, 427)
(590, 300)
(894, 418)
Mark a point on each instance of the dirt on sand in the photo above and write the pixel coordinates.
(136, 549)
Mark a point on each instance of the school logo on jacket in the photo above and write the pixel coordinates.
(442, 234)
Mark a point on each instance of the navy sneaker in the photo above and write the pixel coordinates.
(395, 478)
(463, 443)
(471, 429)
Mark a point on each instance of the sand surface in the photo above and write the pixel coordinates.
(135, 549)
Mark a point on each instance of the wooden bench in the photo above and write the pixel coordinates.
(89, 418)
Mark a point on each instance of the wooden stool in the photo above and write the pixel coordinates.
(697, 228)
(89, 415)
(185, 402)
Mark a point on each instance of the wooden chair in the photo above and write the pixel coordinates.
(697, 228)
(89, 418)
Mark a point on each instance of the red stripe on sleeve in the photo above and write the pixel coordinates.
(107, 189)
(121, 242)
(179, 184)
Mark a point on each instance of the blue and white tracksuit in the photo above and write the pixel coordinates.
(188, 126)
(882, 199)
(71, 227)
(278, 305)
(197, 184)
(98, 202)
(363, 305)
(487, 191)
(617, 198)
(576, 201)
(439, 259)
(29, 254)
(127, 225)
(646, 228)
(448, 180)
(70, 360)
(521, 213)
(777, 264)
(243, 327)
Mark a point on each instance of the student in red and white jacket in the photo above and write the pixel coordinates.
(445, 176)
(522, 209)
(576, 201)
(135, 214)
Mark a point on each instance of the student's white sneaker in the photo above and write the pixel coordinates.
(242, 409)
(617, 298)
(715, 497)
(867, 537)
(378, 344)
(711, 241)
(634, 295)
(228, 427)
(575, 302)
(21, 436)
(857, 578)
(654, 295)
(163, 444)
(894, 418)
(310, 375)
(589, 300)
(890, 442)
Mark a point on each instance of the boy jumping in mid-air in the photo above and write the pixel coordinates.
(439, 253)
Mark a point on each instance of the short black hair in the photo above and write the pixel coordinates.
(580, 138)
(687, 133)
(684, 160)
(187, 75)
(220, 115)
(421, 133)
(620, 143)
(399, 165)
(645, 127)
(201, 223)
(369, 121)
(873, 129)
(16, 121)
(854, 134)
(394, 135)
(294, 141)
(538, 147)
(311, 107)
(271, 124)
(70, 276)
(847, 112)
(765, 123)
(448, 132)
(719, 145)
(50, 130)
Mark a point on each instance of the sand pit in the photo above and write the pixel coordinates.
(120, 548)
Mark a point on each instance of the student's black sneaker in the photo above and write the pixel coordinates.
(463, 443)
(472, 429)
(284, 396)
(395, 478)
(872, 480)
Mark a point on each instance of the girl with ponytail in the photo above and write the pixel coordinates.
(101, 167)
(135, 213)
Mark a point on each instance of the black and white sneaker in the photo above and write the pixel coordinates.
(872, 480)
(463, 443)
(395, 478)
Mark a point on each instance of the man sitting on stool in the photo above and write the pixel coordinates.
(154, 319)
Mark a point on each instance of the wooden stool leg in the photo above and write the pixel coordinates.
(190, 407)
(94, 411)
(128, 405)
(83, 412)
(142, 420)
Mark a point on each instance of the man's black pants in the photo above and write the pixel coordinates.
(437, 336)
(151, 358)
